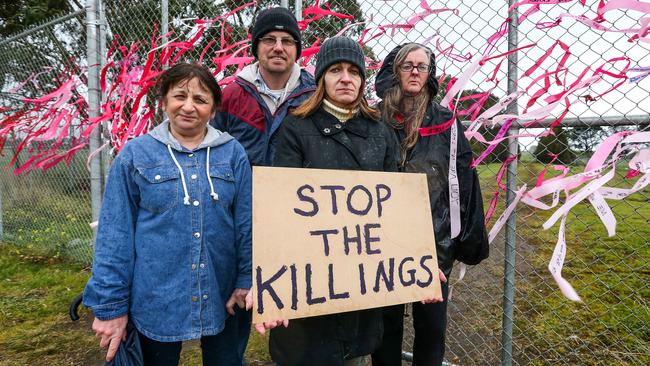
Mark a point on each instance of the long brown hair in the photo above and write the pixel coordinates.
(309, 106)
(391, 105)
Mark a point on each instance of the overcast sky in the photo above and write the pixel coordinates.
(469, 29)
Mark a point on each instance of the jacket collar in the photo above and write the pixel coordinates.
(306, 83)
(212, 138)
(329, 125)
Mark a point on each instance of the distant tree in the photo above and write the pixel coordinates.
(55, 47)
(557, 144)
(583, 140)
(18, 15)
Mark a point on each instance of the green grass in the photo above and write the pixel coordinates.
(48, 220)
(34, 325)
(611, 275)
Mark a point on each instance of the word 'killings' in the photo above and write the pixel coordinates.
(373, 278)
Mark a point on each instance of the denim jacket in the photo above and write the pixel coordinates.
(174, 235)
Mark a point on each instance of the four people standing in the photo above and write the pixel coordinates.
(198, 198)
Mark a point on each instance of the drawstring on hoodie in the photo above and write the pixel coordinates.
(213, 194)
(186, 198)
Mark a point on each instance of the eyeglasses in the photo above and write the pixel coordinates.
(409, 67)
(272, 41)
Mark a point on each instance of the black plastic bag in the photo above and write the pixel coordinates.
(129, 353)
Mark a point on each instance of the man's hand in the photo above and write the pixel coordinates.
(261, 328)
(238, 297)
(111, 332)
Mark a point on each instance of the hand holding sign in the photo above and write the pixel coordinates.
(261, 328)
(443, 278)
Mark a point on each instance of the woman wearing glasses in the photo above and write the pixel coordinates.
(334, 129)
(407, 85)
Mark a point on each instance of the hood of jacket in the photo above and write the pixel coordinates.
(386, 78)
(213, 138)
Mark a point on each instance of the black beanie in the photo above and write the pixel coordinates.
(339, 49)
(276, 19)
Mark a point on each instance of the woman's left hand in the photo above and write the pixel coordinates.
(238, 297)
(443, 278)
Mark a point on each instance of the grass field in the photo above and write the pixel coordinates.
(611, 274)
(34, 325)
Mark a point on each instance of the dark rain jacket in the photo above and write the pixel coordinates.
(430, 155)
(321, 141)
(245, 116)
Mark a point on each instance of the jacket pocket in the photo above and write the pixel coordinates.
(223, 181)
(158, 188)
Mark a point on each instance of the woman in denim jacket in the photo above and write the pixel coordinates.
(173, 251)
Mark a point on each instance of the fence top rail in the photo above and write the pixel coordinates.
(621, 120)
(42, 26)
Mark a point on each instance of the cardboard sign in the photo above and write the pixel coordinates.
(330, 241)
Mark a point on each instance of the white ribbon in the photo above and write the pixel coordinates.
(504, 216)
(574, 199)
(454, 189)
(557, 262)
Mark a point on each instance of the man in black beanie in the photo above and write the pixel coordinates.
(254, 105)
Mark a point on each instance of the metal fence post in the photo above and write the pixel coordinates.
(298, 10)
(105, 155)
(94, 99)
(510, 234)
(164, 20)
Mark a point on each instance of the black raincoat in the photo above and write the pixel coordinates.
(321, 141)
(430, 155)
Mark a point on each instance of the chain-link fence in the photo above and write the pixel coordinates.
(507, 309)
(48, 211)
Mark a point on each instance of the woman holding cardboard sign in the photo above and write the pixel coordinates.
(334, 129)
(431, 142)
